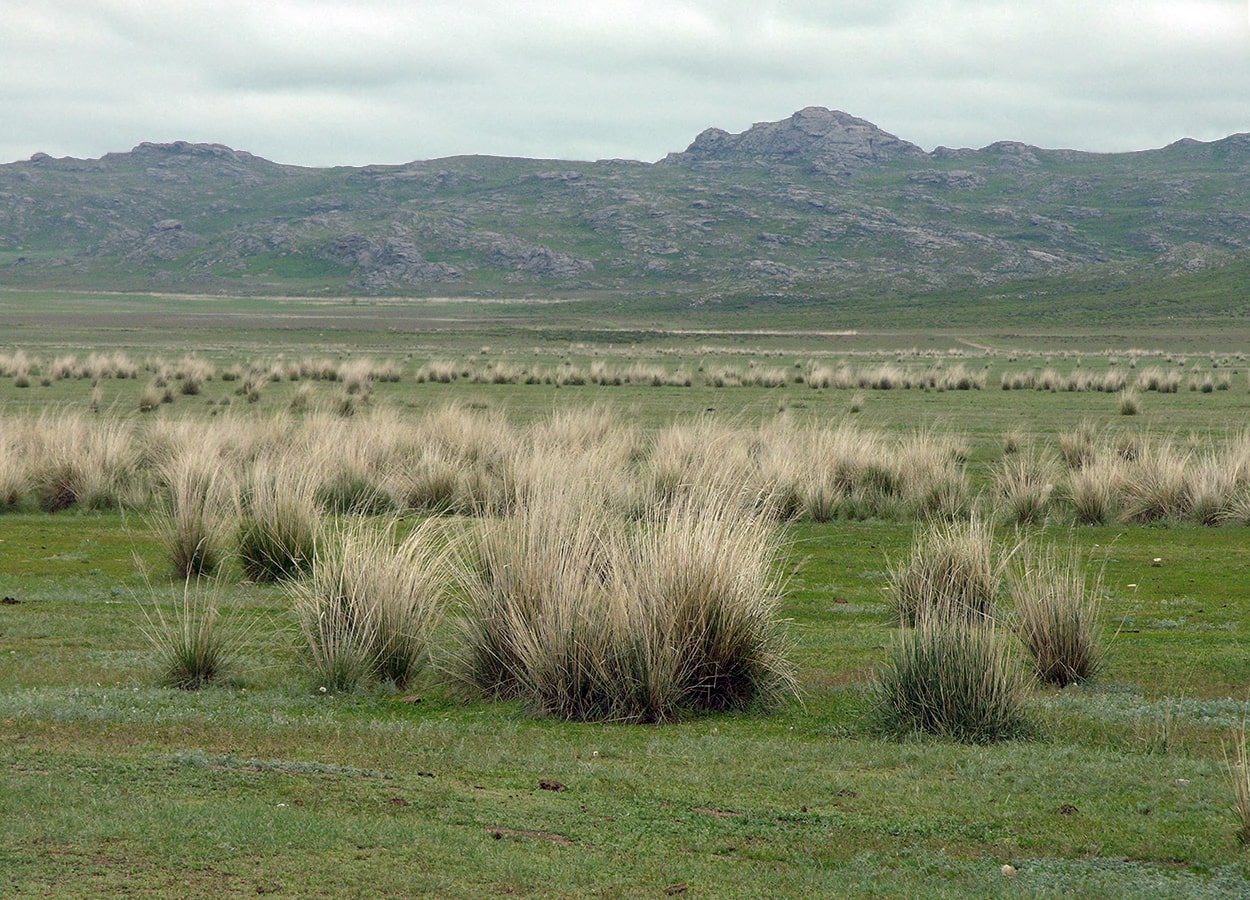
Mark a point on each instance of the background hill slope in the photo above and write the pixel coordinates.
(820, 206)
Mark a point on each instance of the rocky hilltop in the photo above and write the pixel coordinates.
(816, 206)
(828, 140)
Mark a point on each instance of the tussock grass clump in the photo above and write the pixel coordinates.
(949, 678)
(82, 461)
(1057, 614)
(1095, 492)
(951, 573)
(198, 512)
(1157, 484)
(15, 474)
(705, 578)
(1078, 446)
(1024, 485)
(368, 606)
(1239, 777)
(190, 647)
(281, 522)
(539, 623)
(1129, 403)
(587, 618)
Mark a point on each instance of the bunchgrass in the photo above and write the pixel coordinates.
(189, 646)
(1024, 485)
(281, 522)
(704, 580)
(951, 678)
(583, 616)
(198, 513)
(952, 572)
(1057, 614)
(1239, 777)
(368, 606)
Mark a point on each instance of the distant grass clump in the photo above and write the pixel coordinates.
(189, 646)
(1024, 485)
(198, 513)
(281, 522)
(368, 606)
(587, 619)
(1057, 614)
(951, 678)
(950, 573)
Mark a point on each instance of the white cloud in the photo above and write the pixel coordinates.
(356, 81)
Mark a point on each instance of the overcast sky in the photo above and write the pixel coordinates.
(324, 82)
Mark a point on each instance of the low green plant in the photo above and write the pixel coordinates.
(952, 678)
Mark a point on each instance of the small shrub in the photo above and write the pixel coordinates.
(949, 678)
(1057, 613)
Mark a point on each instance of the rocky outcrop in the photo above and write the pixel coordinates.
(829, 140)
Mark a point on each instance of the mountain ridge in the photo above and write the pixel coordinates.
(820, 204)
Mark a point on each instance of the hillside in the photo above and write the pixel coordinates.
(820, 206)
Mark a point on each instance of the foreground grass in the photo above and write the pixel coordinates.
(262, 784)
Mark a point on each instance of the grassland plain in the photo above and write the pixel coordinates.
(261, 783)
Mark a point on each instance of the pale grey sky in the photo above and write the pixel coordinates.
(326, 82)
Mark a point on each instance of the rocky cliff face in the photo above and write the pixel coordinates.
(818, 205)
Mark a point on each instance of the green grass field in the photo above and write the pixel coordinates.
(113, 785)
